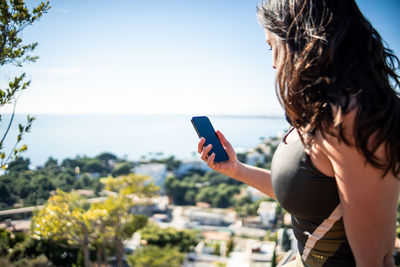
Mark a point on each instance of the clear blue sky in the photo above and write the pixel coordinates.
(160, 56)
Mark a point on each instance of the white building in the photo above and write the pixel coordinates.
(266, 211)
(254, 157)
(193, 164)
(213, 217)
(157, 171)
(262, 252)
(266, 149)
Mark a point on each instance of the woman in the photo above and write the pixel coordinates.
(337, 170)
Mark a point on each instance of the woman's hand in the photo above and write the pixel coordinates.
(230, 167)
(250, 175)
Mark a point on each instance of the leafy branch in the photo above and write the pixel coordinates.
(14, 18)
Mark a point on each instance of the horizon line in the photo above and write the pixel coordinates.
(273, 115)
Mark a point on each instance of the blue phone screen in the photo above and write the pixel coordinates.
(205, 129)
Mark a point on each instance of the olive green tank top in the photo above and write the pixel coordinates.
(313, 200)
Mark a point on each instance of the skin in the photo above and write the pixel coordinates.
(369, 201)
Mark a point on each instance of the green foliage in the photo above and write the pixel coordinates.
(106, 157)
(5, 242)
(40, 261)
(171, 162)
(271, 236)
(94, 166)
(217, 248)
(161, 237)
(20, 164)
(153, 256)
(34, 187)
(6, 197)
(220, 196)
(245, 206)
(122, 168)
(64, 181)
(14, 18)
(214, 188)
(72, 163)
(20, 248)
(230, 245)
(51, 164)
(69, 217)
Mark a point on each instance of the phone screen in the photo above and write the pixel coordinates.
(205, 129)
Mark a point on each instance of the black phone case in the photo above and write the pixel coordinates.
(204, 128)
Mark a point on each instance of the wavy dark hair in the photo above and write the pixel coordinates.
(332, 62)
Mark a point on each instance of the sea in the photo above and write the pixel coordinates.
(131, 137)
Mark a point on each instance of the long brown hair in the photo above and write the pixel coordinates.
(332, 57)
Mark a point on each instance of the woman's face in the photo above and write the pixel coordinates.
(274, 45)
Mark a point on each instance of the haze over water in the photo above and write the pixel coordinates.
(134, 136)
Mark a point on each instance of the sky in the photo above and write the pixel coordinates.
(159, 57)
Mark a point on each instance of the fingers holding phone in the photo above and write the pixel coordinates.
(205, 130)
(205, 153)
(228, 167)
(214, 148)
(227, 146)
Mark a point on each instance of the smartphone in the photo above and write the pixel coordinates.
(204, 128)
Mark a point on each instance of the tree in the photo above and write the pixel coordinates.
(153, 256)
(122, 168)
(5, 242)
(19, 164)
(6, 197)
(132, 190)
(106, 157)
(67, 216)
(230, 245)
(14, 18)
(171, 162)
(94, 165)
(70, 163)
(51, 164)
(116, 225)
(161, 237)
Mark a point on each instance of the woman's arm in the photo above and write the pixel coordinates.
(369, 201)
(253, 176)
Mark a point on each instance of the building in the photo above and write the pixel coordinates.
(213, 217)
(266, 211)
(253, 157)
(189, 165)
(262, 252)
(265, 149)
(157, 171)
